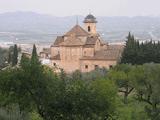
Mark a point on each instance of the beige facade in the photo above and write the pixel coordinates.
(83, 49)
(90, 28)
(90, 65)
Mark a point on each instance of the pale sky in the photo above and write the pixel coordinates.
(83, 7)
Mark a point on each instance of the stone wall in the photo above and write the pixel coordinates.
(54, 51)
(88, 52)
(89, 65)
(92, 28)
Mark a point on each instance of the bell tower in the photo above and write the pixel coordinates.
(90, 24)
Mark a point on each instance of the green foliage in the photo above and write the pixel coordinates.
(99, 73)
(77, 75)
(55, 97)
(148, 89)
(13, 113)
(34, 58)
(130, 49)
(121, 75)
(25, 62)
(3, 57)
(143, 81)
(134, 110)
(44, 95)
(10, 54)
(15, 56)
(35, 116)
(140, 53)
(105, 96)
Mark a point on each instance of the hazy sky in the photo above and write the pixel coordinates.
(83, 7)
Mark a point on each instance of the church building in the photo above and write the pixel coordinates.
(82, 48)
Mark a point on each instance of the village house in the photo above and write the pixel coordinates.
(83, 49)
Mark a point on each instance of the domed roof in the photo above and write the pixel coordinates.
(90, 19)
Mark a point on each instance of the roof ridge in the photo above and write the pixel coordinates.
(77, 30)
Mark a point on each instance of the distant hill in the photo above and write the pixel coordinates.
(34, 27)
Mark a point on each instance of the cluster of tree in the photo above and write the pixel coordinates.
(141, 82)
(13, 55)
(34, 87)
(9, 56)
(98, 95)
(3, 57)
(140, 53)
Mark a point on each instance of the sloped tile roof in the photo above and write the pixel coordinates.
(116, 47)
(58, 40)
(75, 37)
(77, 31)
(91, 40)
(72, 41)
(104, 55)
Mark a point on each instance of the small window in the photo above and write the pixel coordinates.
(89, 28)
(86, 66)
(111, 66)
(54, 64)
(96, 67)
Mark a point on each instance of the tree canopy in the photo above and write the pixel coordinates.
(35, 87)
(138, 53)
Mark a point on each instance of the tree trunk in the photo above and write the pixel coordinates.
(125, 98)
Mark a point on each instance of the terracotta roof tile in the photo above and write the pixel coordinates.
(59, 40)
(72, 41)
(91, 40)
(78, 31)
(116, 47)
(105, 55)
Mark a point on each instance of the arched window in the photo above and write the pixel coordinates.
(89, 28)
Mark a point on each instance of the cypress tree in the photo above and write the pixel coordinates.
(34, 52)
(35, 63)
(9, 57)
(129, 52)
(15, 55)
(25, 61)
(34, 58)
(140, 53)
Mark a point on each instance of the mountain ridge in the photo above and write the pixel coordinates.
(111, 28)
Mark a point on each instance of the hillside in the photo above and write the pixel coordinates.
(30, 27)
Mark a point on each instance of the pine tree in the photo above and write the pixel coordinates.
(15, 55)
